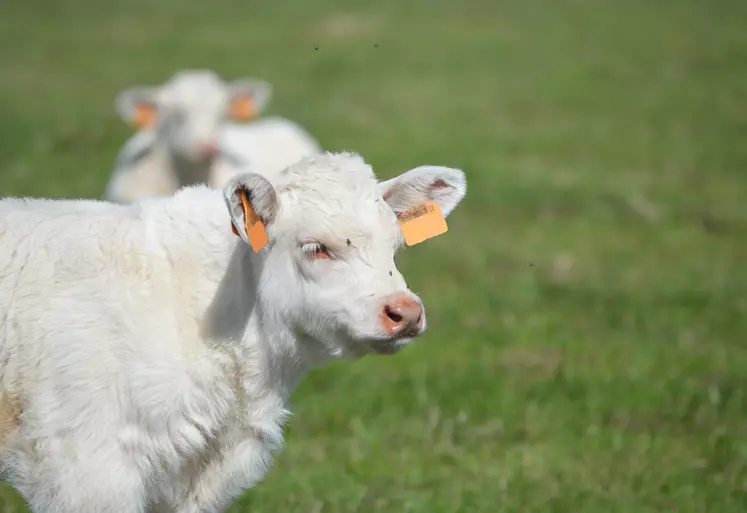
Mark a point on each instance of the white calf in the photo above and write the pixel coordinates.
(186, 136)
(147, 352)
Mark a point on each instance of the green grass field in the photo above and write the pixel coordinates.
(587, 350)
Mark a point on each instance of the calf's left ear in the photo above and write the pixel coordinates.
(253, 205)
(444, 186)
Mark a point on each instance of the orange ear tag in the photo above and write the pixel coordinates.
(145, 116)
(243, 108)
(254, 226)
(422, 223)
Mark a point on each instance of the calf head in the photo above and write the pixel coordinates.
(329, 268)
(188, 110)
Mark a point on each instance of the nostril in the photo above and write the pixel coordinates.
(394, 316)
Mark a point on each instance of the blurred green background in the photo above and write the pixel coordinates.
(587, 349)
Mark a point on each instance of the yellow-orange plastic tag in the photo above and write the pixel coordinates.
(255, 228)
(422, 223)
(243, 108)
(145, 116)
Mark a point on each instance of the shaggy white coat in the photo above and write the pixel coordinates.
(147, 353)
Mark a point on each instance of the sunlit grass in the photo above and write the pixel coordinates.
(588, 306)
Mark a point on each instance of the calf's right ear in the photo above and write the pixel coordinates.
(248, 98)
(137, 106)
(252, 204)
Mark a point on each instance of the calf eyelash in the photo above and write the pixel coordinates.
(315, 251)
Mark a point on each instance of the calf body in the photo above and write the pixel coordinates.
(147, 352)
(266, 146)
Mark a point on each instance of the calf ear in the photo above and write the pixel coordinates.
(137, 106)
(252, 205)
(248, 98)
(444, 186)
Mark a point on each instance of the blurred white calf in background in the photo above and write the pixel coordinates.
(187, 137)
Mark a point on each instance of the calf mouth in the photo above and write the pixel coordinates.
(392, 345)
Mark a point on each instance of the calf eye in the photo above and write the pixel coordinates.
(315, 251)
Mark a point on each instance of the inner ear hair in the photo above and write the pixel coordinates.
(262, 198)
(251, 214)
